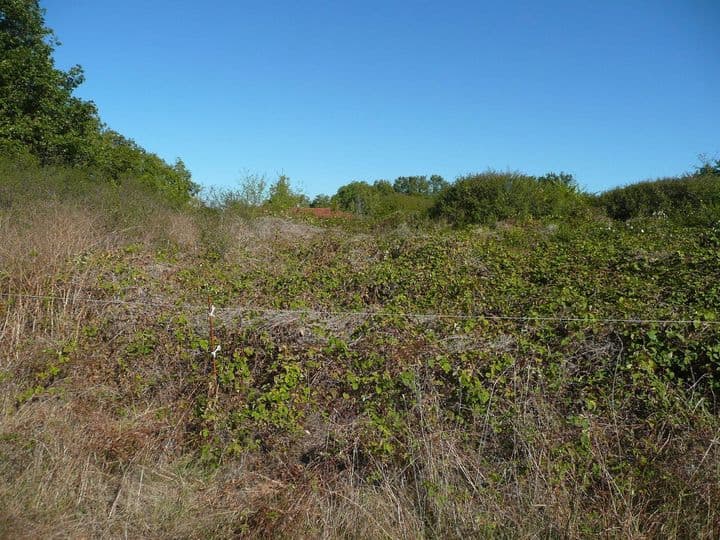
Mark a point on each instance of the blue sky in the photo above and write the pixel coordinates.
(330, 92)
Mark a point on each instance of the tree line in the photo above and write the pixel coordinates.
(43, 121)
(41, 118)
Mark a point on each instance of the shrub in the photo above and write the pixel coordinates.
(381, 201)
(115, 157)
(491, 196)
(39, 115)
(126, 201)
(359, 198)
(691, 200)
(281, 196)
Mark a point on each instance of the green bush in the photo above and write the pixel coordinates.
(491, 196)
(127, 201)
(281, 196)
(691, 200)
(381, 201)
(359, 198)
(116, 158)
(40, 115)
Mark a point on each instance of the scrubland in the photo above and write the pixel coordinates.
(375, 379)
(504, 355)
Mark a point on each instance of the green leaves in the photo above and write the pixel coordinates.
(283, 197)
(491, 196)
(37, 108)
(39, 113)
(691, 199)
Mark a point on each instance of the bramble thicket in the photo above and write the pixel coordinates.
(500, 355)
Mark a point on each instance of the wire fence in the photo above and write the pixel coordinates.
(239, 309)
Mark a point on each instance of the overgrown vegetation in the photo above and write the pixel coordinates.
(407, 198)
(523, 365)
(693, 199)
(491, 196)
(368, 383)
(40, 117)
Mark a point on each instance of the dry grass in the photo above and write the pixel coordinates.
(65, 482)
(254, 240)
(41, 239)
(94, 454)
(172, 228)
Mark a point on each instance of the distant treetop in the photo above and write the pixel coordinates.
(40, 115)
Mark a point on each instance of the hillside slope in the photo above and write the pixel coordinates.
(401, 383)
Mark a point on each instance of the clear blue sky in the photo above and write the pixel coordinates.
(329, 92)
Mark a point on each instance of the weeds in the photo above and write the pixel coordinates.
(353, 419)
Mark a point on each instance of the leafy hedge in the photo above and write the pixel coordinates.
(491, 196)
(693, 199)
(380, 200)
(40, 115)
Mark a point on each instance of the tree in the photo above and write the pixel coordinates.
(412, 185)
(437, 184)
(358, 197)
(40, 115)
(37, 108)
(384, 187)
(253, 190)
(115, 157)
(321, 201)
(560, 179)
(283, 197)
(708, 167)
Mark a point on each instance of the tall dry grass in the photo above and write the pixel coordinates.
(92, 455)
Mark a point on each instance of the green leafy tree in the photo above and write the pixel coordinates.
(437, 184)
(359, 198)
(116, 157)
(560, 179)
(412, 185)
(321, 201)
(384, 187)
(708, 167)
(379, 200)
(37, 107)
(282, 196)
(39, 114)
